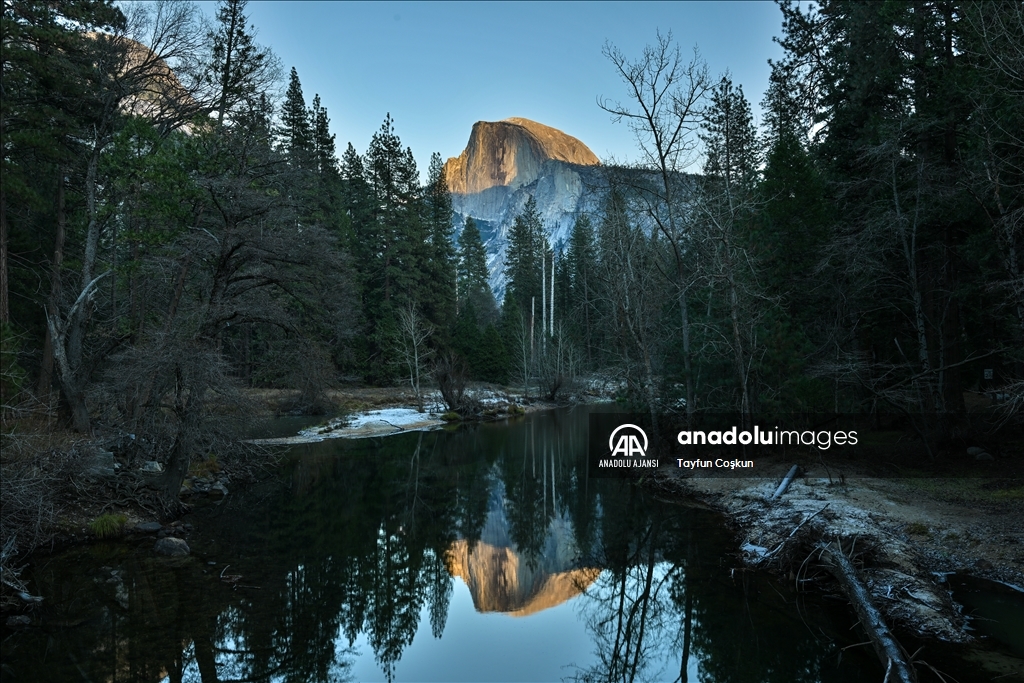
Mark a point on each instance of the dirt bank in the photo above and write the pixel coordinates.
(904, 534)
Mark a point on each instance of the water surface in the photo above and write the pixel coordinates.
(478, 554)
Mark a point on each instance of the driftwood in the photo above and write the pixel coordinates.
(888, 649)
(786, 482)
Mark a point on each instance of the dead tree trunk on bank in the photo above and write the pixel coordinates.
(888, 649)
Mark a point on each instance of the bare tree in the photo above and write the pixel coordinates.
(632, 297)
(132, 79)
(663, 111)
(410, 346)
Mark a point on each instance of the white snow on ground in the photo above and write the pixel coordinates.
(360, 425)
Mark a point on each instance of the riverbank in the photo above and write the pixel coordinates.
(906, 536)
(60, 489)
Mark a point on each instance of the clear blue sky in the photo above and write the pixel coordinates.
(440, 67)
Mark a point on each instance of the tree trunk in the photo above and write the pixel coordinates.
(889, 651)
(53, 303)
(79, 319)
(5, 315)
(687, 358)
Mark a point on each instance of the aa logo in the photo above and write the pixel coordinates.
(626, 440)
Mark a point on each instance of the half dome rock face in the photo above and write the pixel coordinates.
(510, 153)
(504, 164)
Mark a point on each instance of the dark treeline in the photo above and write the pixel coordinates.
(860, 251)
(172, 231)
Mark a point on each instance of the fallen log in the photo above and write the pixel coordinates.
(888, 649)
(790, 476)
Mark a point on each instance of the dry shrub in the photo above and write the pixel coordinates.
(32, 485)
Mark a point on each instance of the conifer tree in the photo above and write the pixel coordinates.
(526, 247)
(296, 127)
(473, 275)
(241, 69)
(580, 267)
(437, 294)
(324, 153)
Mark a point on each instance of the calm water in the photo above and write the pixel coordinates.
(481, 554)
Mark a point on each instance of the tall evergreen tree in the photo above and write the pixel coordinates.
(580, 266)
(437, 294)
(473, 274)
(527, 246)
(241, 69)
(324, 152)
(296, 127)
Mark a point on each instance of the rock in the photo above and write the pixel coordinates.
(506, 162)
(218, 490)
(152, 466)
(975, 451)
(984, 456)
(19, 620)
(148, 527)
(98, 465)
(171, 547)
(510, 153)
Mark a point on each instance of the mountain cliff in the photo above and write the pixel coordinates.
(505, 163)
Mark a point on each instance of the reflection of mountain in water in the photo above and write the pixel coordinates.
(500, 579)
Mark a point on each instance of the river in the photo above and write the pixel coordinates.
(480, 553)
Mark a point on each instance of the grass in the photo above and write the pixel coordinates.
(205, 467)
(108, 525)
(918, 529)
(451, 416)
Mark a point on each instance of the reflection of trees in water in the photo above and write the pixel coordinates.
(667, 607)
(353, 543)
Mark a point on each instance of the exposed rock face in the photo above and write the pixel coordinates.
(505, 163)
(511, 154)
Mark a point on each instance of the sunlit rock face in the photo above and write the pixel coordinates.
(511, 154)
(505, 163)
(501, 579)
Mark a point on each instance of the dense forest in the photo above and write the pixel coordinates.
(174, 234)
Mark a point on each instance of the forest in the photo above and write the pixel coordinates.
(175, 236)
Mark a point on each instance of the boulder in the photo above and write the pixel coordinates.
(171, 547)
(148, 527)
(98, 465)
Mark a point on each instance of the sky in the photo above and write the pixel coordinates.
(440, 67)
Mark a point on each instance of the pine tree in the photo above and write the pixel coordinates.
(397, 230)
(241, 70)
(324, 152)
(580, 266)
(296, 127)
(527, 245)
(437, 294)
(492, 363)
(732, 148)
(473, 274)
